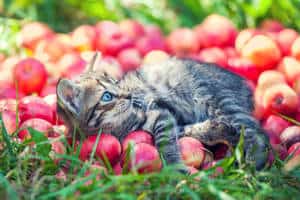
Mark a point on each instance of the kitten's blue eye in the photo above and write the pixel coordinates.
(107, 96)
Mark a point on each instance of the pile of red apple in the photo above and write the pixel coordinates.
(268, 57)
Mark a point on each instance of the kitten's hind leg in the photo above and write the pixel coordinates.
(212, 132)
(256, 145)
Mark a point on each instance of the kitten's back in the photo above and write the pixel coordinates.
(188, 75)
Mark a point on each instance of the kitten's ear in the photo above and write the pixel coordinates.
(69, 96)
(90, 66)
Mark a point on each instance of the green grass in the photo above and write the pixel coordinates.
(168, 14)
(28, 172)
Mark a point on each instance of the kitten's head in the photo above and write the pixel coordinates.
(94, 102)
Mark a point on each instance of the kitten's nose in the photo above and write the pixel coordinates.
(69, 96)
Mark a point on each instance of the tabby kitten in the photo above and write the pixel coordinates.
(171, 99)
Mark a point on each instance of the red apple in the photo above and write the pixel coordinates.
(290, 67)
(137, 137)
(213, 55)
(111, 40)
(132, 28)
(155, 56)
(192, 151)
(10, 119)
(64, 39)
(230, 52)
(51, 100)
(192, 170)
(152, 40)
(272, 36)
(8, 104)
(61, 175)
(260, 112)
(274, 139)
(37, 124)
(285, 39)
(266, 80)
(144, 158)
(57, 148)
(294, 149)
(218, 171)
(275, 125)
(113, 44)
(295, 50)
(74, 71)
(296, 86)
(290, 136)
(33, 32)
(9, 91)
(270, 25)
(182, 42)
(51, 50)
(243, 37)
(294, 161)
(153, 30)
(117, 169)
(280, 98)
(269, 78)
(110, 66)
(216, 30)
(2, 58)
(106, 27)
(95, 169)
(296, 117)
(244, 68)
(282, 151)
(30, 75)
(130, 59)
(60, 130)
(84, 38)
(262, 51)
(35, 107)
(71, 65)
(108, 146)
(6, 69)
(70, 59)
(279, 150)
(48, 90)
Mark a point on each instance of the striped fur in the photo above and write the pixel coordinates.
(170, 99)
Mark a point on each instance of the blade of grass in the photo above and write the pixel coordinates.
(8, 141)
(9, 190)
